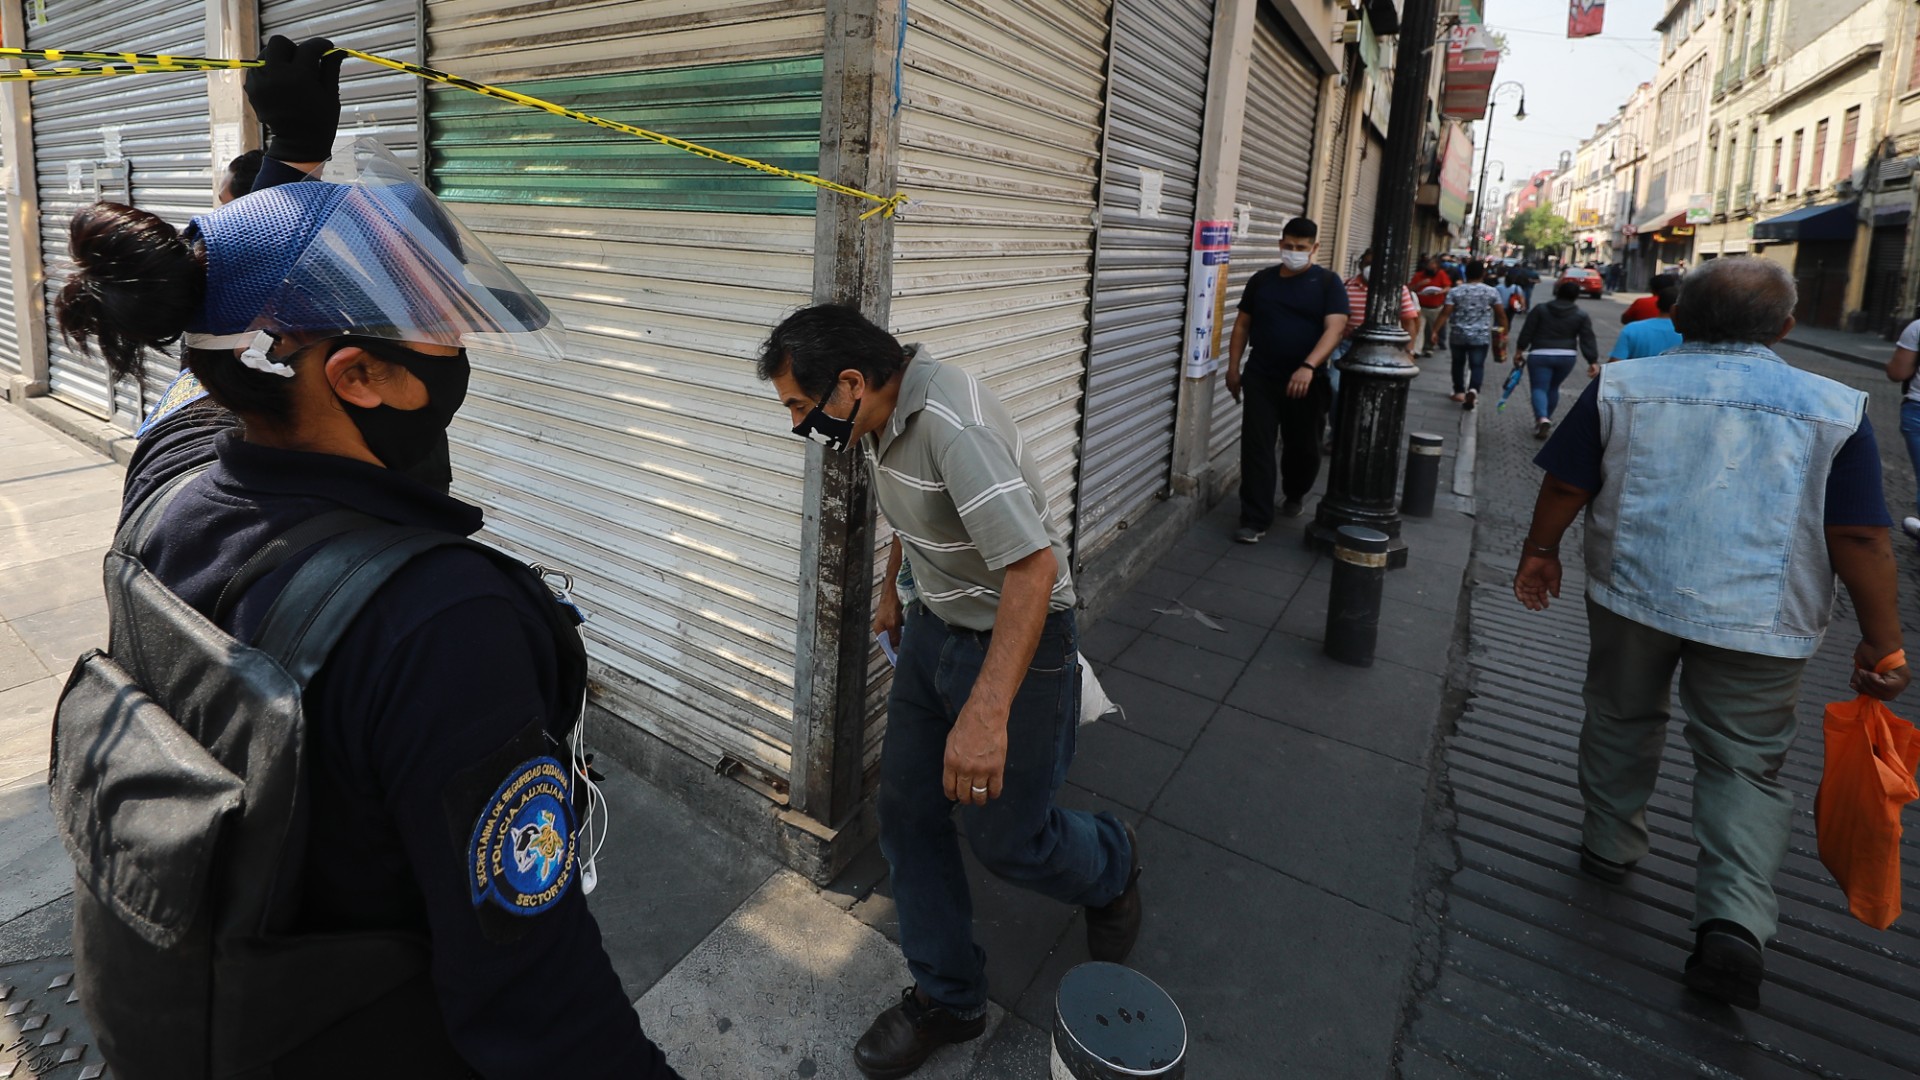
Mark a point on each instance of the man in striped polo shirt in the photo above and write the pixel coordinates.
(986, 691)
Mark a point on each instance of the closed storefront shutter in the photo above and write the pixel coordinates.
(1152, 169)
(652, 464)
(373, 100)
(1276, 156)
(9, 333)
(1365, 196)
(144, 136)
(1886, 266)
(1000, 130)
(1335, 195)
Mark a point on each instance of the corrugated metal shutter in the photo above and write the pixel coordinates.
(1157, 112)
(1366, 196)
(9, 334)
(1000, 147)
(161, 128)
(652, 464)
(373, 101)
(1333, 181)
(1283, 93)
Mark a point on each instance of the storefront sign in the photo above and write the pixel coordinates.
(1584, 17)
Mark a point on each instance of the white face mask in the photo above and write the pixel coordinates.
(1366, 273)
(1295, 260)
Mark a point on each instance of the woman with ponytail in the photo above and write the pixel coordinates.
(323, 328)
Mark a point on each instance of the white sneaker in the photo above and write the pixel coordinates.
(1911, 526)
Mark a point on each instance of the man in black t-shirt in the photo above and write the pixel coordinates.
(1295, 314)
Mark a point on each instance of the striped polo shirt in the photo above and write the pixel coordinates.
(957, 483)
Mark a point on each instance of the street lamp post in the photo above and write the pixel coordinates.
(1499, 177)
(1480, 198)
(1365, 470)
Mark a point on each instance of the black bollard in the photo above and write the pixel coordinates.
(1113, 1023)
(1423, 474)
(1353, 603)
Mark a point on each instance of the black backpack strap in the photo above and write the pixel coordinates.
(137, 529)
(275, 553)
(327, 593)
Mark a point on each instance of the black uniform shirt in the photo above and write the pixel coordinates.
(1289, 316)
(447, 665)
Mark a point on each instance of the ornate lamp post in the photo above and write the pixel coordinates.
(1480, 196)
(1374, 375)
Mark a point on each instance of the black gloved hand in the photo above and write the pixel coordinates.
(296, 93)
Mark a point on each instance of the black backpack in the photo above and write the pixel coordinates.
(178, 786)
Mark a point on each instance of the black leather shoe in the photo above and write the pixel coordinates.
(1613, 873)
(1727, 963)
(1112, 929)
(901, 1038)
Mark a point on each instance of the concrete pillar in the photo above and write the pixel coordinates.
(1233, 24)
(23, 212)
(233, 29)
(853, 264)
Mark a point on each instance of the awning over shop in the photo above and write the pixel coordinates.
(1661, 221)
(1828, 221)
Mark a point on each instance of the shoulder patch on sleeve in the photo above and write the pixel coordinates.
(518, 833)
(182, 392)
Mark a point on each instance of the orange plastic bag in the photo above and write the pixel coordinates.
(1871, 757)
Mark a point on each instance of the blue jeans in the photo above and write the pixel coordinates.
(1544, 376)
(1068, 855)
(1469, 360)
(1910, 429)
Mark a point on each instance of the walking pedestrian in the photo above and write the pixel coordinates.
(1649, 337)
(1471, 316)
(1723, 492)
(986, 689)
(1357, 317)
(1648, 306)
(1555, 335)
(1293, 314)
(1430, 284)
(1901, 369)
(415, 851)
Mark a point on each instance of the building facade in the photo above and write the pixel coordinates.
(1061, 156)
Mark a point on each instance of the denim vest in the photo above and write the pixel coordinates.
(1710, 522)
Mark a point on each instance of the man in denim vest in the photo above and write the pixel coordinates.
(1724, 490)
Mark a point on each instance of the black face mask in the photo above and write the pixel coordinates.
(829, 431)
(412, 440)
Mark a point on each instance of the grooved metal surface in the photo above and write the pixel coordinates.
(43, 1032)
(1276, 162)
(374, 101)
(160, 127)
(651, 464)
(1000, 125)
(1152, 169)
(9, 333)
(1540, 971)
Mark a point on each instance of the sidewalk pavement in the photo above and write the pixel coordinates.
(1532, 969)
(1872, 350)
(1278, 795)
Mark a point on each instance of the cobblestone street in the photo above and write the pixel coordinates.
(1531, 969)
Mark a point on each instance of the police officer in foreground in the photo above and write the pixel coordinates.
(326, 323)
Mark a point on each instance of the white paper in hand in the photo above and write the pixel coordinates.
(886, 649)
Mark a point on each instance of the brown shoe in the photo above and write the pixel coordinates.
(900, 1039)
(1113, 929)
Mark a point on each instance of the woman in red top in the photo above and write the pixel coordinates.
(1430, 285)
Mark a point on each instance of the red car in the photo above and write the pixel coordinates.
(1591, 283)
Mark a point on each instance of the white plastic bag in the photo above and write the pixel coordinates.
(1094, 702)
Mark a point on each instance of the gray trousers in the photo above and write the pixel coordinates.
(1740, 722)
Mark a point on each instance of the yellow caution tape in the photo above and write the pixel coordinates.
(124, 63)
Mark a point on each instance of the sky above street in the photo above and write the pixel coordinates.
(1571, 85)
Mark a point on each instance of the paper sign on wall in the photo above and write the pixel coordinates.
(1207, 296)
(226, 144)
(1153, 186)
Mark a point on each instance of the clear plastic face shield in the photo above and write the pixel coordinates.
(388, 261)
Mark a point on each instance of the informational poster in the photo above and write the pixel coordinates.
(1584, 17)
(1699, 209)
(1207, 296)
